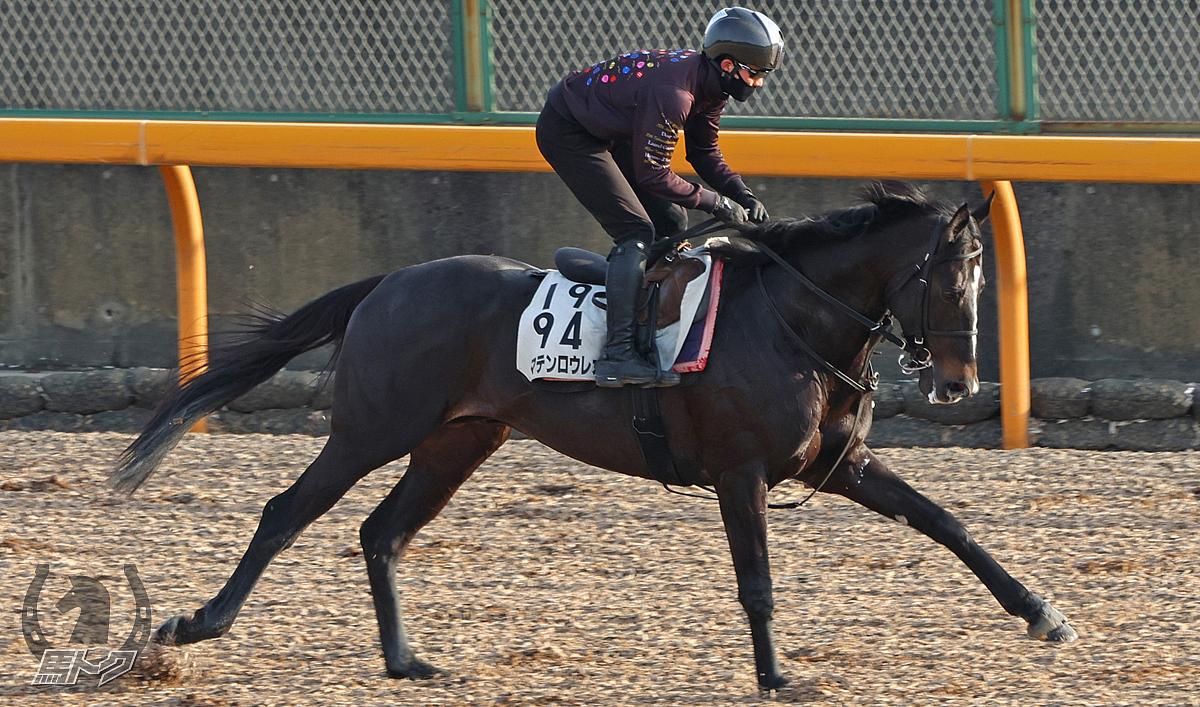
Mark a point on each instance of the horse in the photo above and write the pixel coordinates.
(424, 366)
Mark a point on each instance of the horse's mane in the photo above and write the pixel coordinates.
(884, 198)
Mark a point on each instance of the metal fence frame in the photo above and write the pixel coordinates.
(1015, 30)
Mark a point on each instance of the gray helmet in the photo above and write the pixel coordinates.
(746, 36)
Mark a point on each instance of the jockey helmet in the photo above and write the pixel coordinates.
(746, 36)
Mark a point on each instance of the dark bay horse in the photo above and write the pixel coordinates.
(426, 368)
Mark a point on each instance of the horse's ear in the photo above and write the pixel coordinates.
(981, 214)
(959, 221)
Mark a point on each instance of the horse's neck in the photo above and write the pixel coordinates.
(857, 274)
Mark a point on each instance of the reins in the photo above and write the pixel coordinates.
(658, 248)
(882, 327)
(714, 497)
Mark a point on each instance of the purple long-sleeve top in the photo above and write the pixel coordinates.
(647, 97)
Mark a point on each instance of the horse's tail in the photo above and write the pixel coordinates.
(234, 368)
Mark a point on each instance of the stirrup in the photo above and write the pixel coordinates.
(610, 375)
(665, 379)
(632, 371)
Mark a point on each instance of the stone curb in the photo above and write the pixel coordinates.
(1068, 413)
(1114, 399)
(1133, 435)
(1051, 399)
(121, 400)
(1060, 398)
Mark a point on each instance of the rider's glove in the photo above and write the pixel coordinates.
(728, 212)
(755, 211)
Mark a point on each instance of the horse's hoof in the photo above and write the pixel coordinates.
(1050, 625)
(415, 669)
(167, 634)
(182, 629)
(1062, 634)
(771, 682)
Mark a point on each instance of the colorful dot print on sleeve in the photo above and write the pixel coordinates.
(634, 65)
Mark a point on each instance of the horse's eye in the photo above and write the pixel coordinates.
(954, 295)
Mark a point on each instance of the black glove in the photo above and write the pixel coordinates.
(756, 212)
(728, 212)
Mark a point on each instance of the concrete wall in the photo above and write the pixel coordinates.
(87, 256)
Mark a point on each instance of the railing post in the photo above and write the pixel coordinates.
(1001, 42)
(1029, 59)
(472, 54)
(1013, 300)
(1016, 60)
(190, 274)
(1018, 110)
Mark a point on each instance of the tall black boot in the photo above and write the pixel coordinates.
(621, 364)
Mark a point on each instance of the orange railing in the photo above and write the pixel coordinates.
(991, 159)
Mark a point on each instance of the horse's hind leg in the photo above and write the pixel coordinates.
(879, 489)
(345, 459)
(435, 471)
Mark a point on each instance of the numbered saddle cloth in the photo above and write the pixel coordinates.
(562, 331)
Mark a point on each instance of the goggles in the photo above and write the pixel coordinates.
(752, 72)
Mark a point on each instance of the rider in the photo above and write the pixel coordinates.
(610, 130)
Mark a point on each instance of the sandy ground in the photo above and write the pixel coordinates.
(546, 582)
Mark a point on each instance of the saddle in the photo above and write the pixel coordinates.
(670, 272)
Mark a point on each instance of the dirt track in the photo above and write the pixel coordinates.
(547, 582)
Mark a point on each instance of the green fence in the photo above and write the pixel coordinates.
(928, 65)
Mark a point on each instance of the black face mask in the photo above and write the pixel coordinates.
(733, 85)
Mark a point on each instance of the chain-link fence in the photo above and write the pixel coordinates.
(1098, 60)
(853, 58)
(352, 56)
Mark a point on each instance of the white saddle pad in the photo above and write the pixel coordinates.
(562, 331)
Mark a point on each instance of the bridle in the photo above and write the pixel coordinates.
(916, 356)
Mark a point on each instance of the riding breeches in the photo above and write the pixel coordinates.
(600, 175)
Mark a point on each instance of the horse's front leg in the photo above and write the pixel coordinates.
(867, 481)
(743, 494)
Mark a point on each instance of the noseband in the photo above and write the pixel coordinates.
(916, 355)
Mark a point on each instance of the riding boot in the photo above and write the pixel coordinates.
(620, 363)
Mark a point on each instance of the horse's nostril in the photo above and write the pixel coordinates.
(956, 388)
